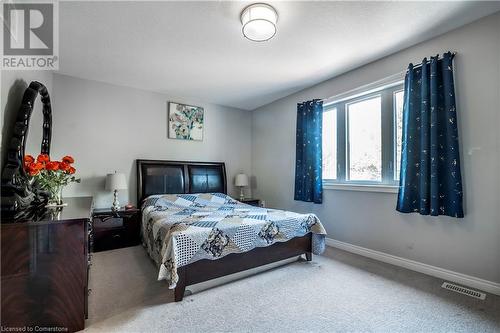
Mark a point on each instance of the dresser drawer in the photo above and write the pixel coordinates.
(107, 222)
(110, 239)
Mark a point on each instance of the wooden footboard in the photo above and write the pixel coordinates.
(206, 269)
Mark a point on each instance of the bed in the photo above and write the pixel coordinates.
(195, 232)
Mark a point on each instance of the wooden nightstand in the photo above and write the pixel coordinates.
(114, 230)
(251, 202)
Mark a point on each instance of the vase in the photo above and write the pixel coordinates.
(55, 196)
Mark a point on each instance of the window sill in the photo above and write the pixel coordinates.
(362, 188)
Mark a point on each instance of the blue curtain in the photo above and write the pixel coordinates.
(308, 158)
(430, 179)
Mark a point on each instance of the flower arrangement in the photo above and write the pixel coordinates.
(51, 176)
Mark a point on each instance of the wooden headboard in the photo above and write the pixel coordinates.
(174, 177)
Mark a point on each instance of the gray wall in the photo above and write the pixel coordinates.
(470, 245)
(106, 127)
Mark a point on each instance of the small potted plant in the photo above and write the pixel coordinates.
(51, 176)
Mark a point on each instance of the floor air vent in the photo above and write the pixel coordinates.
(463, 290)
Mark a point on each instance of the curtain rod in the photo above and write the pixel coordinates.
(453, 54)
(393, 77)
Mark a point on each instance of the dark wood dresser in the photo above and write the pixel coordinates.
(45, 268)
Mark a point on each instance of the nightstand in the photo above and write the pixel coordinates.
(251, 202)
(114, 230)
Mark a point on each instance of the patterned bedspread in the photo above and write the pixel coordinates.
(184, 228)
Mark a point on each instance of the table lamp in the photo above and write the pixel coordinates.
(114, 182)
(241, 181)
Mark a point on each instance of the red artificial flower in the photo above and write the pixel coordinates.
(53, 166)
(71, 170)
(68, 159)
(32, 171)
(38, 166)
(28, 159)
(43, 158)
(34, 168)
(63, 166)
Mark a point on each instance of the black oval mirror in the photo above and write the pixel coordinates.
(17, 193)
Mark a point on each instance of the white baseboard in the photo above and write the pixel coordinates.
(466, 280)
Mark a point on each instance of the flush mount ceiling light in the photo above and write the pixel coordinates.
(259, 22)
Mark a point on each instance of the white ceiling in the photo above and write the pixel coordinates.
(195, 50)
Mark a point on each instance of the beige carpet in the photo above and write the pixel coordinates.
(338, 292)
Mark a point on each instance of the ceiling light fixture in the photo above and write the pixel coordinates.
(259, 22)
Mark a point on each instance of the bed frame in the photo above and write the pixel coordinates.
(173, 177)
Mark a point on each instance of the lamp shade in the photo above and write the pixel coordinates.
(116, 181)
(241, 180)
(259, 22)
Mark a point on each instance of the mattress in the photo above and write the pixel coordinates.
(179, 229)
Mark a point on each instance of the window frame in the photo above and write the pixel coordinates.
(388, 139)
(395, 128)
(331, 109)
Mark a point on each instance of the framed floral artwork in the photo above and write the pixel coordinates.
(185, 122)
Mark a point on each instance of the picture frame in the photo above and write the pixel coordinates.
(185, 122)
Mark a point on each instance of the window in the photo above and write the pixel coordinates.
(398, 105)
(362, 137)
(330, 144)
(364, 140)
